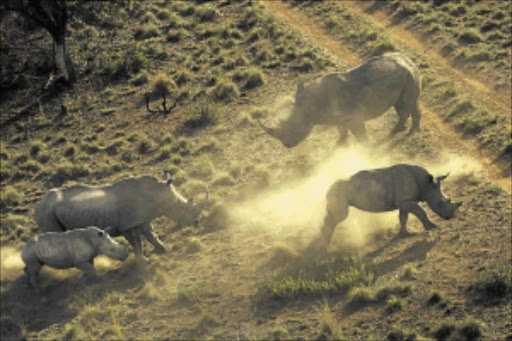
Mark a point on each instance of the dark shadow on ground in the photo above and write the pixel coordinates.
(24, 309)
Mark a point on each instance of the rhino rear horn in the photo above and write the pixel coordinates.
(442, 177)
(274, 132)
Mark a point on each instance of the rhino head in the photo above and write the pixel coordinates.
(296, 127)
(107, 245)
(438, 202)
(184, 212)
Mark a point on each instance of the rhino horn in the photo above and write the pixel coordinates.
(274, 132)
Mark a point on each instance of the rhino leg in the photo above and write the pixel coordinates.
(151, 236)
(343, 139)
(402, 216)
(358, 129)
(337, 210)
(402, 118)
(416, 114)
(88, 269)
(414, 208)
(133, 237)
(32, 271)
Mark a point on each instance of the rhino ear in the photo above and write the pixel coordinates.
(101, 233)
(430, 178)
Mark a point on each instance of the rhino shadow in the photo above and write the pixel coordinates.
(22, 308)
(416, 252)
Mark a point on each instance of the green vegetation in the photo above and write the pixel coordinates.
(325, 279)
(493, 284)
(202, 114)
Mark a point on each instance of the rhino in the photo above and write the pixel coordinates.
(348, 99)
(76, 248)
(399, 187)
(125, 208)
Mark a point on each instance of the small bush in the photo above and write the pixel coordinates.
(176, 35)
(202, 168)
(494, 284)
(10, 197)
(35, 147)
(181, 146)
(193, 245)
(202, 114)
(254, 78)
(141, 78)
(69, 171)
(470, 36)
(461, 107)
(223, 179)
(225, 91)
(146, 31)
(183, 77)
(206, 13)
(162, 84)
(476, 122)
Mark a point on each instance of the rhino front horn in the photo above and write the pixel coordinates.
(274, 132)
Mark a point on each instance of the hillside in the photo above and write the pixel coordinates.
(248, 271)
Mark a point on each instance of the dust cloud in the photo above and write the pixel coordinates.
(11, 264)
(298, 207)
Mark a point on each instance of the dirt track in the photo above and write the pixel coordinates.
(451, 140)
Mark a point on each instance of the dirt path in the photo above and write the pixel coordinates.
(300, 21)
(478, 87)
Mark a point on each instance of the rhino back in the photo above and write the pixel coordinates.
(123, 205)
(370, 89)
(385, 189)
(61, 250)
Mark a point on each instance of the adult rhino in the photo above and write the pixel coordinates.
(124, 208)
(399, 187)
(348, 99)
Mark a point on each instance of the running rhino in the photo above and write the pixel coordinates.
(348, 99)
(399, 187)
(126, 208)
(75, 248)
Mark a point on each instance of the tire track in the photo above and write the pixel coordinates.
(451, 139)
(498, 100)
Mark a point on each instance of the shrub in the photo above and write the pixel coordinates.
(225, 91)
(202, 168)
(493, 284)
(141, 78)
(122, 64)
(10, 197)
(206, 13)
(254, 78)
(202, 114)
(176, 35)
(223, 179)
(162, 84)
(146, 31)
(69, 171)
(470, 36)
(181, 146)
(183, 77)
(35, 147)
(193, 245)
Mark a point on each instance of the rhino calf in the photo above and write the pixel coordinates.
(399, 187)
(62, 250)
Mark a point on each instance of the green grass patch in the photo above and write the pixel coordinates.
(225, 91)
(309, 279)
(492, 285)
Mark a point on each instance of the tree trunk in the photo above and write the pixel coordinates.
(62, 61)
